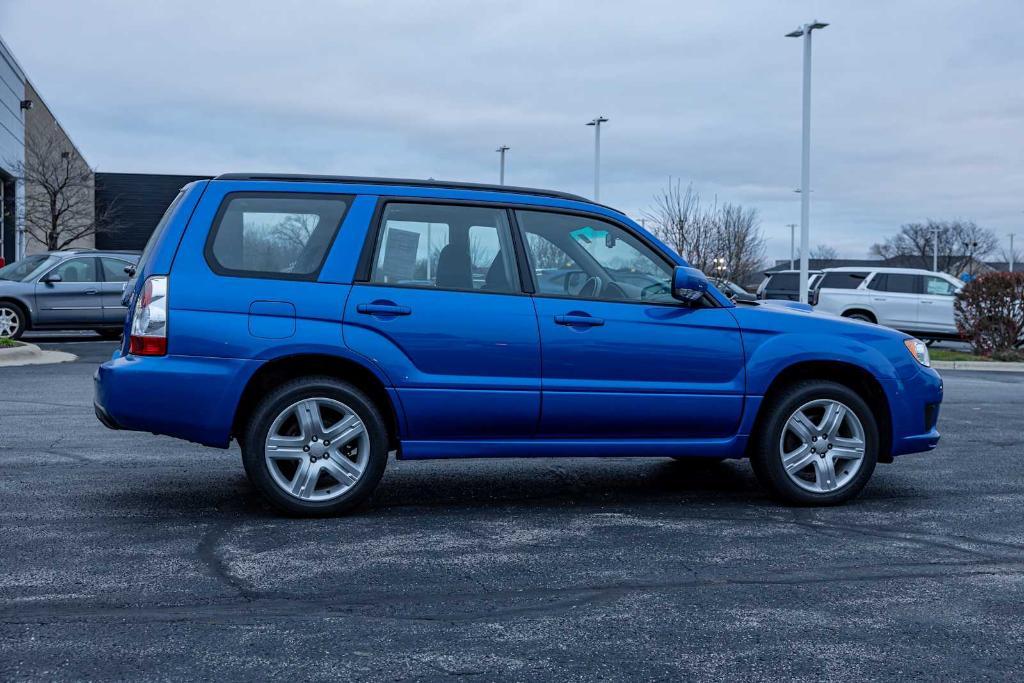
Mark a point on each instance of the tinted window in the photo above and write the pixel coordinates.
(275, 235)
(113, 270)
(447, 247)
(900, 283)
(22, 270)
(589, 258)
(939, 286)
(77, 270)
(784, 281)
(842, 280)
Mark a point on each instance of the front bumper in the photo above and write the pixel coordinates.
(914, 404)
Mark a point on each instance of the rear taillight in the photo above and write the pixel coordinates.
(149, 323)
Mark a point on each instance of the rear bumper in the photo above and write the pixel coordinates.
(186, 397)
(914, 403)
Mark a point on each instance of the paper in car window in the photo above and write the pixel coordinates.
(400, 249)
(587, 234)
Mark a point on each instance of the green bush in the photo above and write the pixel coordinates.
(990, 314)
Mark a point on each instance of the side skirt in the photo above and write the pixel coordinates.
(732, 447)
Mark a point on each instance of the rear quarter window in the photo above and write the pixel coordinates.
(274, 235)
(784, 281)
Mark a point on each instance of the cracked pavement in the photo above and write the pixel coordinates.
(132, 556)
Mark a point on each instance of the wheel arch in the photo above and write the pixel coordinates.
(860, 309)
(855, 377)
(23, 305)
(284, 368)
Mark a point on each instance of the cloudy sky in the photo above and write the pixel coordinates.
(918, 106)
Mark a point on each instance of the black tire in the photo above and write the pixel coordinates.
(861, 316)
(766, 458)
(20, 314)
(262, 418)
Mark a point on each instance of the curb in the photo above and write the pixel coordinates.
(30, 354)
(977, 365)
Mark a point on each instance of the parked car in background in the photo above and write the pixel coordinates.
(78, 289)
(322, 350)
(785, 284)
(733, 290)
(916, 301)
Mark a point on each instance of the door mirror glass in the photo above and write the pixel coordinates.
(53, 277)
(688, 284)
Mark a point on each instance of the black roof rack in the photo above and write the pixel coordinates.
(359, 180)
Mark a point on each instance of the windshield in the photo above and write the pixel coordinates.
(23, 270)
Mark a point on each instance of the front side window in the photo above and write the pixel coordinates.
(900, 283)
(591, 259)
(445, 247)
(275, 235)
(938, 286)
(76, 270)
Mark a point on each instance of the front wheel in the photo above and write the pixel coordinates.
(818, 444)
(315, 447)
(13, 320)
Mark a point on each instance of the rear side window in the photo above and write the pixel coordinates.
(113, 270)
(446, 247)
(274, 235)
(842, 280)
(897, 283)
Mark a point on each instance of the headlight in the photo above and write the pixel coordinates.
(919, 350)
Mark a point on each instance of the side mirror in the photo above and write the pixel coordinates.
(688, 284)
(53, 277)
(130, 271)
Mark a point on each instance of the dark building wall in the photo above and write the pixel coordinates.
(135, 202)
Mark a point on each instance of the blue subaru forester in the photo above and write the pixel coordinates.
(323, 322)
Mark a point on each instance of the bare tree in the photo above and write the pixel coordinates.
(823, 252)
(960, 244)
(702, 234)
(59, 204)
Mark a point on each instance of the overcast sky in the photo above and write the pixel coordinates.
(918, 107)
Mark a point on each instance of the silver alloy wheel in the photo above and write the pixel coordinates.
(822, 446)
(317, 449)
(9, 322)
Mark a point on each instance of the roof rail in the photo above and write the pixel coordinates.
(360, 180)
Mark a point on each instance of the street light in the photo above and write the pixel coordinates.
(805, 157)
(596, 123)
(501, 150)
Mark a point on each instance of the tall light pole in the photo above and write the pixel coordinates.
(792, 245)
(935, 251)
(805, 156)
(596, 123)
(501, 150)
(1011, 252)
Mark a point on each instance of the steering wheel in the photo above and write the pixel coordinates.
(591, 289)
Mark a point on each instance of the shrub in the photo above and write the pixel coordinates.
(990, 313)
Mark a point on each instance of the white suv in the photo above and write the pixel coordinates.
(909, 299)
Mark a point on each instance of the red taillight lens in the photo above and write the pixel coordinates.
(149, 322)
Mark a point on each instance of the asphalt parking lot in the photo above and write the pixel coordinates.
(132, 556)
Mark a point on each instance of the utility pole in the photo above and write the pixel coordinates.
(1011, 252)
(805, 154)
(501, 150)
(792, 245)
(935, 252)
(596, 123)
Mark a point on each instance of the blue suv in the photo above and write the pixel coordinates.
(323, 322)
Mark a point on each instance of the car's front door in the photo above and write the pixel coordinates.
(443, 314)
(112, 289)
(894, 298)
(621, 358)
(935, 307)
(69, 293)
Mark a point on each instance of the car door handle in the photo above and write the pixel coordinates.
(928, 302)
(383, 309)
(578, 321)
(879, 298)
(92, 291)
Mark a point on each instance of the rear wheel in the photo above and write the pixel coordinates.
(858, 315)
(316, 446)
(818, 444)
(13, 320)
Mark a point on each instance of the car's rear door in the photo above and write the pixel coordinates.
(75, 300)
(894, 299)
(112, 270)
(621, 358)
(442, 312)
